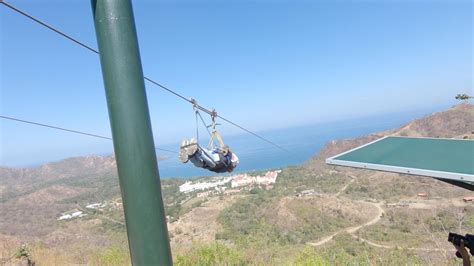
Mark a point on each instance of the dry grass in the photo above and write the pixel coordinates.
(81, 254)
(45, 256)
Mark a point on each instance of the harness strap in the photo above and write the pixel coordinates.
(217, 136)
(214, 135)
(197, 126)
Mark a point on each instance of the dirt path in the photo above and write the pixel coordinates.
(374, 220)
(368, 242)
(324, 240)
(344, 188)
(351, 230)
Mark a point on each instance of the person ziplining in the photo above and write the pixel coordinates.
(218, 159)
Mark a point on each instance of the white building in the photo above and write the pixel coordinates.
(190, 186)
(242, 180)
(76, 214)
(96, 205)
(65, 217)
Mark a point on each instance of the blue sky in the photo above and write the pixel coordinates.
(263, 64)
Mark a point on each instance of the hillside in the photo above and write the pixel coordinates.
(313, 214)
(457, 122)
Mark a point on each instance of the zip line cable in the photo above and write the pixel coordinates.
(66, 129)
(49, 27)
(254, 134)
(204, 123)
(191, 101)
(54, 127)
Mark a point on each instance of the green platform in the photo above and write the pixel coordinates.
(451, 160)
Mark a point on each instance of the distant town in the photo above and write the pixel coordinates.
(236, 183)
(218, 185)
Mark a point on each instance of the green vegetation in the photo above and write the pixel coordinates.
(345, 250)
(172, 198)
(417, 228)
(296, 179)
(470, 221)
(211, 254)
(22, 252)
(111, 256)
(277, 217)
(463, 97)
(309, 257)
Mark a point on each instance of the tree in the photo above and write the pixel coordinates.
(463, 97)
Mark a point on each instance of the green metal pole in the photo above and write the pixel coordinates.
(131, 130)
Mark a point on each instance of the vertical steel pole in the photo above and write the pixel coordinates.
(131, 130)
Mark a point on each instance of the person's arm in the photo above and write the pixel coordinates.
(466, 261)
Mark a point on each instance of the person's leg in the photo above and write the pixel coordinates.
(202, 158)
(187, 150)
(206, 155)
(197, 160)
(192, 147)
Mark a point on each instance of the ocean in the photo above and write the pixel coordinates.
(303, 142)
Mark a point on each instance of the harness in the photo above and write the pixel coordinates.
(214, 134)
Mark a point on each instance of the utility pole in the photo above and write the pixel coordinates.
(131, 131)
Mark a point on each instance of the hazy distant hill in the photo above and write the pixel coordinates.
(353, 215)
(21, 180)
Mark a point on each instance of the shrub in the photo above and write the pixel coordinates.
(112, 256)
(470, 221)
(22, 252)
(212, 254)
(309, 257)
